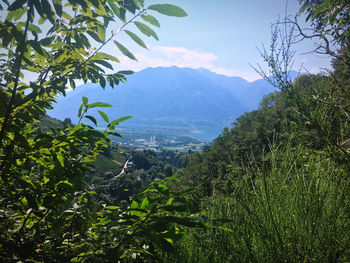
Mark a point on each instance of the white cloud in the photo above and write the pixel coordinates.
(315, 70)
(162, 56)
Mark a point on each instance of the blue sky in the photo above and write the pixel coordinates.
(221, 35)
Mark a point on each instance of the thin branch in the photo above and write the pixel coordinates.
(17, 68)
(41, 218)
(326, 47)
(42, 80)
(25, 220)
(109, 39)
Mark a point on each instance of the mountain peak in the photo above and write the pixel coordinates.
(196, 101)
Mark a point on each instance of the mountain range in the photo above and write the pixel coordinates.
(198, 102)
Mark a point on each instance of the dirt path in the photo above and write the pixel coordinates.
(123, 170)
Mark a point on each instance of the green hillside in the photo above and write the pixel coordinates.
(274, 187)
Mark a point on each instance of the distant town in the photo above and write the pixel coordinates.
(161, 142)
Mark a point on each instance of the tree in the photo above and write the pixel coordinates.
(67, 121)
(329, 17)
(47, 212)
(321, 102)
(269, 192)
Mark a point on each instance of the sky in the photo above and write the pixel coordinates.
(224, 36)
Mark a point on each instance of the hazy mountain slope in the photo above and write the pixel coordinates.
(199, 101)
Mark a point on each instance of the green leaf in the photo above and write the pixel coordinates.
(39, 9)
(125, 51)
(102, 81)
(34, 28)
(116, 122)
(150, 19)
(104, 116)
(145, 203)
(134, 205)
(95, 36)
(37, 47)
(99, 104)
(161, 187)
(146, 30)
(66, 182)
(136, 38)
(115, 134)
(169, 10)
(104, 63)
(111, 207)
(80, 109)
(114, 7)
(16, 14)
(102, 56)
(126, 72)
(72, 83)
(66, 16)
(42, 20)
(16, 5)
(101, 33)
(48, 10)
(24, 201)
(105, 221)
(85, 100)
(46, 41)
(58, 7)
(91, 118)
(60, 159)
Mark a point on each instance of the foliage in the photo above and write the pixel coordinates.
(294, 210)
(136, 232)
(47, 213)
(114, 187)
(329, 17)
(280, 175)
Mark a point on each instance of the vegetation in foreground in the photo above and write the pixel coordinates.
(48, 213)
(279, 179)
(275, 187)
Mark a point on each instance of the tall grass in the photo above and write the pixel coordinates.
(295, 208)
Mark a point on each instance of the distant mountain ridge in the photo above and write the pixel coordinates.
(198, 101)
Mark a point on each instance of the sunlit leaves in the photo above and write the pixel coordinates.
(95, 36)
(150, 19)
(44, 200)
(169, 10)
(101, 33)
(117, 121)
(125, 51)
(58, 7)
(102, 56)
(146, 30)
(99, 104)
(126, 72)
(136, 38)
(104, 63)
(66, 16)
(91, 118)
(114, 7)
(85, 100)
(16, 14)
(104, 116)
(18, 4)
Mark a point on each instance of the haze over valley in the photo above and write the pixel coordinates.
(175, 101)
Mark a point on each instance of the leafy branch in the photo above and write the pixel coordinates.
(17, 70)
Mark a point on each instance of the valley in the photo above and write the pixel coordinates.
(174, 101)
